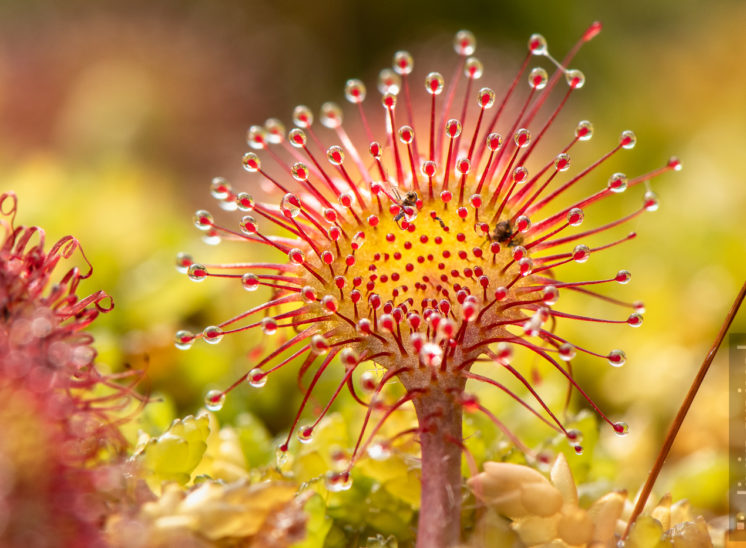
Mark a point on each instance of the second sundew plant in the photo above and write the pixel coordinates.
(423, 246)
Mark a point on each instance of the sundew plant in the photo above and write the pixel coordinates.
(421, 231)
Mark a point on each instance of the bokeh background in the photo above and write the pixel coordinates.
(114, 117)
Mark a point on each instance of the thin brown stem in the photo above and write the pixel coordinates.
(683, 410)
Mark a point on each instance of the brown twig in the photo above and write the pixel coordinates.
(683, 410)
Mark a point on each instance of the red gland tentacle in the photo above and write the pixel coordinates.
(569, 377)
(516, 397)
(504, 101)
(543, 203)
(450, 93)
(309, 390)
(546, 126)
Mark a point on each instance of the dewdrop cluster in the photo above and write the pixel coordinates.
(422, 243)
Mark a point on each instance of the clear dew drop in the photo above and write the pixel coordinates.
(228, 203)
(403, 62)
(621, 428)
(349, 357)
(184, 340)
(574, 78)
(379, 451)
(550, 295)
(628, 140)
(537, 44)
(340, 459)
(319, 345)
(338, 481)
(388, 101)
(522, 138)
(434, 83)
(335, 154)
(302, 116)
(296, 256)
(431, 354)
(290, 205)
(623, 276)
(504, 353)
(566, 352)
(375, 150)
(297, 138)
(463, 166)
(473, 68)
(251, 162)
(538, 78)
(617, 183)
(214, 400)
(355, 91)
(211, 237)
(305, 434)
(256, 137)
(650, 199)
(574, 436)
(275, 131)
(248, 224)
(212, 334)
(406, 134)
(617, 358)
(494, 141)
(197, 272)
(346, 199)
(329, 303)
(250, 281)
(245, 201)
(429, 168)
(269, 326)
(578, 449)
(281, 455)
(299, 171)
(486, 98)
(389, 82)
(584, 131)
(203, 219)
(453, 128)
(183, 261)
(369, 381)
(581, 253)
(520, 175)
(464, 43)
(256, 378)
(562, 162)
(532, 327)
(220, 189)
(331, 115)
(309, 294)
(575, 216)
(635, 319)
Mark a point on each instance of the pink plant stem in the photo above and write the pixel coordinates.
(440, 417)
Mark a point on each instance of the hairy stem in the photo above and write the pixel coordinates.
(440, 507)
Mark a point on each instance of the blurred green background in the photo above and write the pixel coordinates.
(114, 118)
